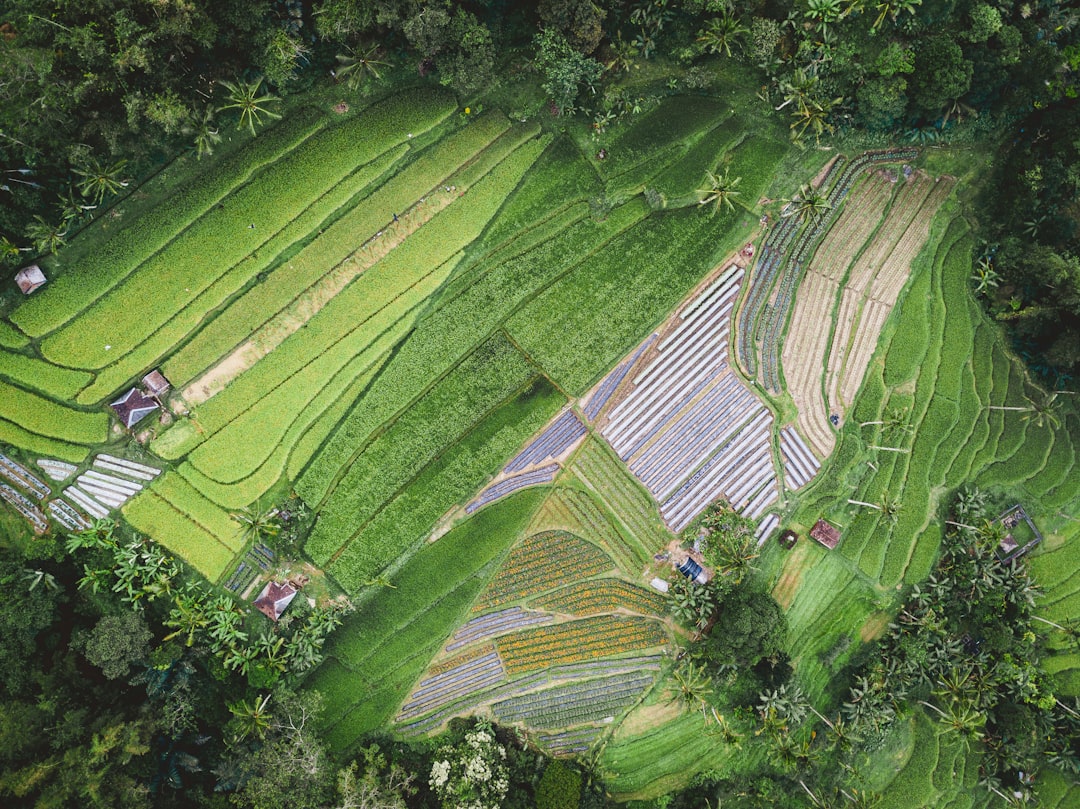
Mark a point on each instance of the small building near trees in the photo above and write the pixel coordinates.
(30, 278)
(826, 533)
(156, 383)
(275, 599)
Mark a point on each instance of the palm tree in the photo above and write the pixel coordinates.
(623, 54)
(207, 136)
(99, 180)
(356, 66)
(36, 577)
(71, 207)
(244, 96)
(46, 238)
(888, 507)
(258, 523)
(10, 253)
(808, 204)
(694, 685)
(1046, 410)
(722, 190)
(961, 718)
(253, 719)
(720, 33)
(813, 114)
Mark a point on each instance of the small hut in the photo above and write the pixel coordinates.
(30, 278)
(133, 406)
(156, 384)
(275, 599)
(826, 533)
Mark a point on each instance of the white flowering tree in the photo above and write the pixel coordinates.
(472, 774)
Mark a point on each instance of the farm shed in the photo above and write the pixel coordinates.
(156, 383)
(133, 406)
(826, 533)
(30, 278)
(275, 599)
(1021, 534)
(693, 571)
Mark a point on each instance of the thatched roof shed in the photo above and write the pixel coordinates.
(30, 278)
(156, 383)
(826, 533)
(274, 599)
(133, 406)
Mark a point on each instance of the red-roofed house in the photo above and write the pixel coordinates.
(274, 599)
(826, 533)
(133, 406)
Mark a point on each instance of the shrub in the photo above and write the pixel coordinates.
(559, 787)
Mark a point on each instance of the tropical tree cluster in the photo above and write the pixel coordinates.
(964, 648)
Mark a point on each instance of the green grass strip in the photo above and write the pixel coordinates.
(679, 182)
(51, 419)
(89, 279)
(488, 376)
(53, 381)
(453, 478)
(222, 238)
(16, 436)
(913, 785)
(10, 337)
(235, 451)
(217, 522)
(154, 516)
(449, 333)
(335, 245)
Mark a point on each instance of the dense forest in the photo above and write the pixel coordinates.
(122, 685)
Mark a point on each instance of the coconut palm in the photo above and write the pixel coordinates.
(258, 523)
(253, 718)
(721, 33)
(808, 204)
(244, 96)
(100, 180)
(207, 135)
(1045, 410)
(823, 13)
(888, 507)
(722, 190)
(72, 207)
(37, 576)
(358, 65)
(188, 615)
(693, 684)
(961, 718)
(812, 115)
(11, 253)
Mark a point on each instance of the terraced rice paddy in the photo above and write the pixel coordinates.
(432, 325)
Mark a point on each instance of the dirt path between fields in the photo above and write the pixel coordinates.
(272, 333)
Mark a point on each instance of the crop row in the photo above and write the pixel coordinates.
(574, 703)
(458, 472)
(551, 443)
(211, 517)
(29, 372)
(259, 264)
(443, 338)
(612, 381)
(581, 640)
(488, 376)
(534, 477)
(233, 449)
(161, 521)
(50, 419)
(105, 267)
(460, 659)
(598, 596)
(541, 562)
(635, 509)
(334, 245)
(222, 238)
(575, 741)
(577, 512)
